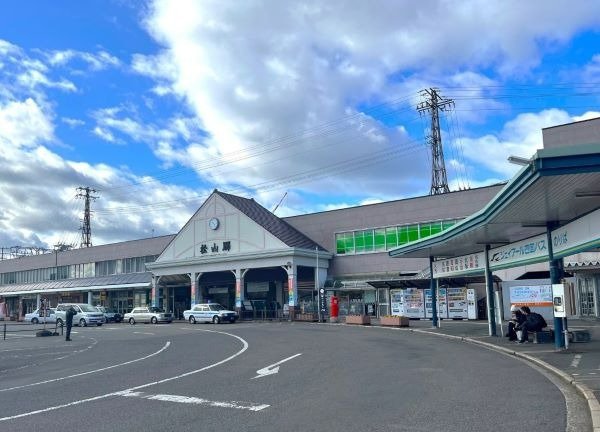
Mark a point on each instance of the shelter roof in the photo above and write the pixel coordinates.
(103, 282)
(557, 186)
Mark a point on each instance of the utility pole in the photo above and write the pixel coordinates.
(86, 228)
(433, 103)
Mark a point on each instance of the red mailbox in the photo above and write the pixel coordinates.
(335, 309)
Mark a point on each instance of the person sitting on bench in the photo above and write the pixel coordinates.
(534, 322)
(517, 319)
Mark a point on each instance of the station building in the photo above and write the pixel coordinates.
(236, 252)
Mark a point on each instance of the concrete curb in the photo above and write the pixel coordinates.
(588, 395)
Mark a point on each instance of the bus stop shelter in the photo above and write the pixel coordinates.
(550, 209)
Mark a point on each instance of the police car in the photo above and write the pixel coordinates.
(209, 312)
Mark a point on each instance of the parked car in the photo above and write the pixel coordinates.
(34, 317)
(110, 315)
(209, 312)
(86, 314)
(148, 314)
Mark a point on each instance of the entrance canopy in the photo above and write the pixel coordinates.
(557, 186)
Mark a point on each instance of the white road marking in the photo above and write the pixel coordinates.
(151, 334)
(119, 393)
(68, 354)
(576, 360)
(274, 368)
(89, 372)
(197, 401)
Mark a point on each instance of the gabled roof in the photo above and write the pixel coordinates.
(274, 225)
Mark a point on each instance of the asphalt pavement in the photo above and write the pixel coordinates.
(579, 365)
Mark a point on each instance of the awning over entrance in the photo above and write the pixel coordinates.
(425, 283)
(121, 281)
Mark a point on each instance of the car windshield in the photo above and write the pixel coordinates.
(156, 309)
(88, 308)
(101, 308)
(216, 307)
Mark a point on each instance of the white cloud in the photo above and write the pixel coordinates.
(257, 78)
(23, 124)
(520, 137)
(104, 134)
(72, 122)
(98, 61)
(37, 187)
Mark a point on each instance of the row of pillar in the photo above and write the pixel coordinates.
(239, 273)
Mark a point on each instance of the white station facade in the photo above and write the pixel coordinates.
(235, 252)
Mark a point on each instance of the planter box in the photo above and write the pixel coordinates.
(306, 317)
(394, 321)
(358, 319)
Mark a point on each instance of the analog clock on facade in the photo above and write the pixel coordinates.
(213, 223)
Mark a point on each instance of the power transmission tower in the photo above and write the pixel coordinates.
(86, 228)
(433, 104)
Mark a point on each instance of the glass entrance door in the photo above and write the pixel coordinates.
(383, 301)
(586, 289)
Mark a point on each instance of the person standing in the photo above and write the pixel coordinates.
(71, 312)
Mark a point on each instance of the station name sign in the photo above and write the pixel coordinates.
(214, 247)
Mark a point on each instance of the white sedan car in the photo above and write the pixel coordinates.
(35, 318)
(209, 312)
(148, 314)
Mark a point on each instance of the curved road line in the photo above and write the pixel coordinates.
(67, 354)
(88, 372)
(129, 390)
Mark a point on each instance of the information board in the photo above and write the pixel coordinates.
(531, 295)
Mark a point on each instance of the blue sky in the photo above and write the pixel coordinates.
(155, 104)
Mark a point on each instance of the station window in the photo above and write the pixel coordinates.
(386, 238)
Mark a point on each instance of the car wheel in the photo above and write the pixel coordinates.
(98, 324)
(192, 319)
(35, 321)
(216, 320)
(232, 320)
(82, 323)
(59, 322)
(131, 321)
(153, 320)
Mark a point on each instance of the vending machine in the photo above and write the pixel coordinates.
(471, 304)
(397, 302)
(457, 303)
(442, 303)
(414, 306)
